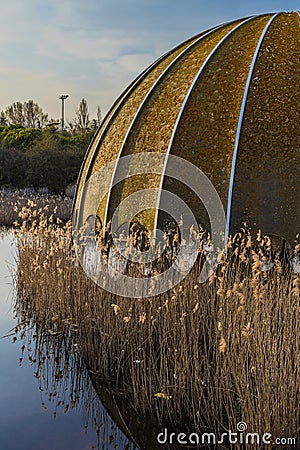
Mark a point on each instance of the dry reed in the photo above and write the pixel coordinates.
(201, 357)
(63, 380)
(12, 202)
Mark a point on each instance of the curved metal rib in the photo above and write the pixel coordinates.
(104, 127)
(118, 103)
(183, 107)
(110, 116)
(155, 84)
(240, 122)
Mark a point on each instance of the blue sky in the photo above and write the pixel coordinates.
(94, 48)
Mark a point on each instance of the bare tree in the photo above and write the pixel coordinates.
(94, 124)
(3, 120)
(99, 115)
(28, 114)
(82, 119)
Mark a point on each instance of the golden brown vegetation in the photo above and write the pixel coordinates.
(200, 357)
(12, 202)
(64, 382)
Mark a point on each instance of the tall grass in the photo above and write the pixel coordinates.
(201, 357)
(63, 380)
(12, 203)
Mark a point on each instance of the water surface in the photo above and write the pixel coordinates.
(35, 408)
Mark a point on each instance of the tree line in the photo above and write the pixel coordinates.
(35, 153)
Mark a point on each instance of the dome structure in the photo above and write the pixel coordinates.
(226, 100)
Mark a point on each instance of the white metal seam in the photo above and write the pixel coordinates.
(155, 84)
(183, 106)
(240, 122)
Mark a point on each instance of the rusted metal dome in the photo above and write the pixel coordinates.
(227, 100)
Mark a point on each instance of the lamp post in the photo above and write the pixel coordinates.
(63, 98)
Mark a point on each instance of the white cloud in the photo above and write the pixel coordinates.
(95, 48)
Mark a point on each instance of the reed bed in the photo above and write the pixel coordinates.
(12, 203)
(201, 357)
(63, 380)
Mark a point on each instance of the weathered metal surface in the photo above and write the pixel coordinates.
(226, 100)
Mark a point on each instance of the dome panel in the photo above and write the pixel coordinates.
(205, 134)
(108, 141)
(266, 186)
(152, 128)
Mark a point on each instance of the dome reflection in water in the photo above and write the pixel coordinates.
(66, 382)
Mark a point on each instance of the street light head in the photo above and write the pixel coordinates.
(63, 98)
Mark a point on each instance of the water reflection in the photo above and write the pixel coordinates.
(66, 384)
(42, 371)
